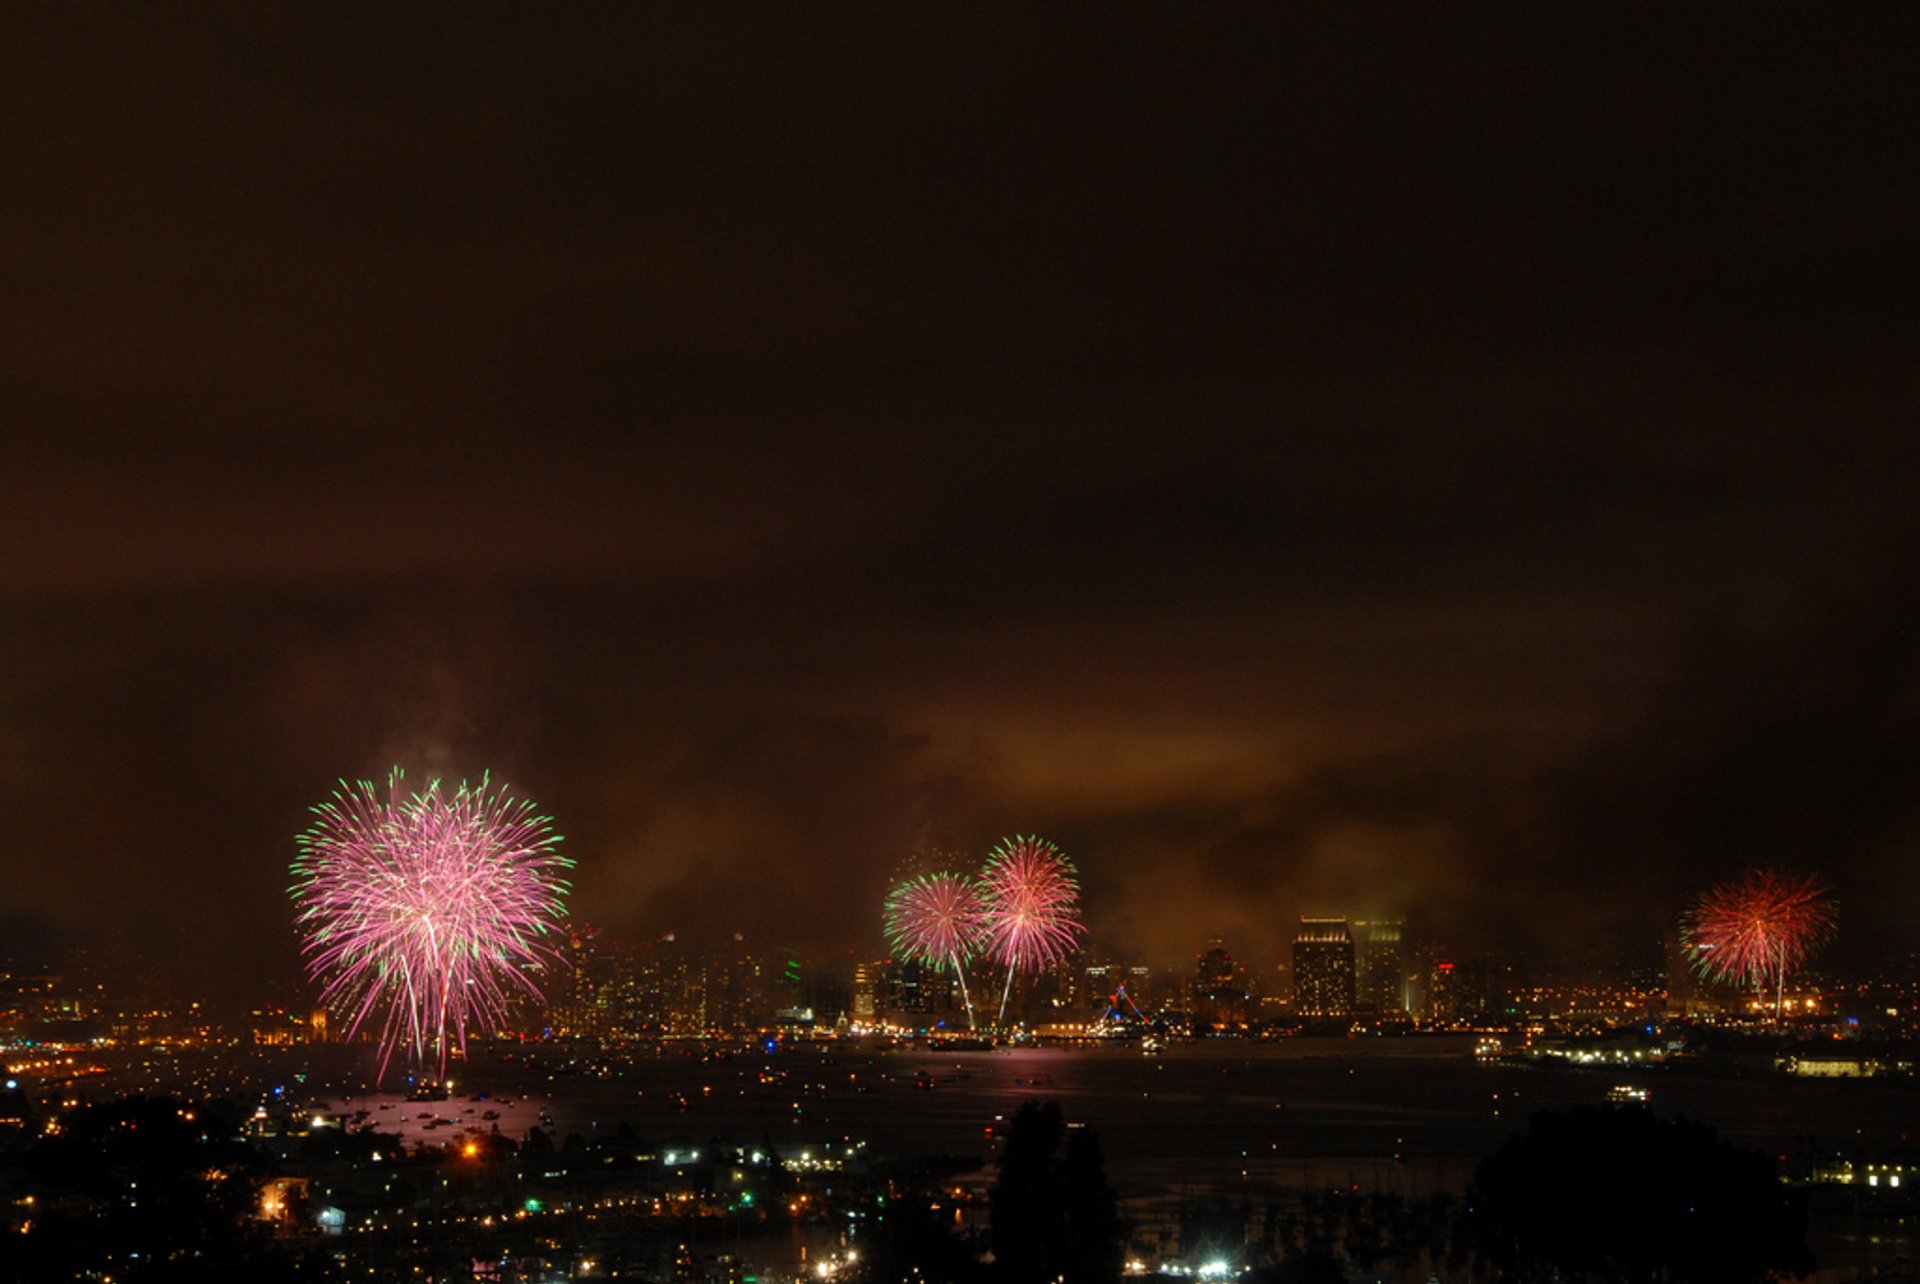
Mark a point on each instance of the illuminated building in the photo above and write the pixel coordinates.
(906, 1000)
(1323, 968)
(1220, 997)
(282, 1198)
(867, 979)
(1680, 980)
(276, 1028)
(1140, 987)
(1071, 990)
(677, 991)
(735, 990)
(682, 987)
(910, 992)
(1443, 998)
(1094, 985)
(620, 990)
(577, 992)
(1825, 1064)
(939, 993)
(1379, 964)
(1483, 988)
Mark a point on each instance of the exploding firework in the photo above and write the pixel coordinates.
(1754, 930)
(938, 919)
(423, 914)
(1031, 899)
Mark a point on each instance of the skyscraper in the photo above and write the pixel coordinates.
(868, 980)
(1443, 993)
(1323, 970)
(1220, 998)
(1681, 994)
(1379, 964)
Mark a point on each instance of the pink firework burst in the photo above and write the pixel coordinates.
(938, 920)
(1754, 930)
(422, 914)
(1032, 900)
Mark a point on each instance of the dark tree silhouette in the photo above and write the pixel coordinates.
(1028, 1220)
(914, 1241)
(1317, 1266)
(165, 1179)
(1618, 1194)
(1214, 1228)
(1054, 1217)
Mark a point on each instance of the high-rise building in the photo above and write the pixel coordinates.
(868, 978)
(1220, 998)
(679, 987)
(1095, 986)
(1323, 971)
(1680, 983)
(736, 992)
(1140, 988)
(1379, 964)
(1443, 992)
(940, 995)
(907, 1001)
(574, 1011)
(1483, 987)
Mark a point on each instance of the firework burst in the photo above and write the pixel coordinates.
(1032, 899)
(1754, 930)
(938, 919)
(422, 914)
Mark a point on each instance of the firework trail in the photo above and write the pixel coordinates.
(422, 914)
(938, 919)
(1754, 930)
(1031, 898)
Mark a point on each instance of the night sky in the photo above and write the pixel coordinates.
(1398, 461)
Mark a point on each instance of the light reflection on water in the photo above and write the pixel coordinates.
(1409, 1115)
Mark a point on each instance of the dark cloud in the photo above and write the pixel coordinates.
(1301, 462)
(31, 941)
(1791, 736)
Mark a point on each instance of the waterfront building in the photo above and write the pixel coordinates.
(1323, 968)
(868, 977)
(1379, 960)
(1443, 998)
(1220, 997)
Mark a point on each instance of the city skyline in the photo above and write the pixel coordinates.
(1433, 466)
(1381, 969)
